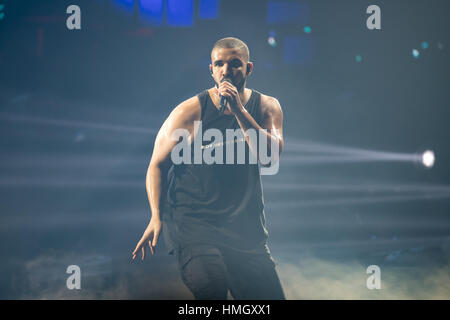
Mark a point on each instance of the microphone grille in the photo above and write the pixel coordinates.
(226, 79)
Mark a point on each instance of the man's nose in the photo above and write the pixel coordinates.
(226, 69)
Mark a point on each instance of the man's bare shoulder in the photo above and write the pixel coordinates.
(270, 104)
(187, 111)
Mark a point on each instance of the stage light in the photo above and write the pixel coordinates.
(78, 124)
(358, 58)
(272, 42)
(307, 29)
(287, 12)
(180, 13)
(415, 53)
(271, 39)
(312, 153)
(151, 11)
(428, 158)
(2, 14)
(208, 9)
(126, 6)
(424, 45)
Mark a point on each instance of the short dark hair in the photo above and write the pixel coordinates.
(231, 42)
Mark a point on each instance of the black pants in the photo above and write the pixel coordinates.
(210, 271)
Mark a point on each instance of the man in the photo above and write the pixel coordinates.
(213, 214)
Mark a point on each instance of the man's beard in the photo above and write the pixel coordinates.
(241, 84)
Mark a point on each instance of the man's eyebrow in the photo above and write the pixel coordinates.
(232, 60)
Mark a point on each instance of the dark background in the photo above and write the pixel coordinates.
(79, 110)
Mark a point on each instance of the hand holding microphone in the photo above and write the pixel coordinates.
(223, 100)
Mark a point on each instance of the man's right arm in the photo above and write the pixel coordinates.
(182, 117)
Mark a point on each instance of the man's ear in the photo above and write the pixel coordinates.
(210, 69)
(249, 68)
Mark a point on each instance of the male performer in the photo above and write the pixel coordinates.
(213, 214)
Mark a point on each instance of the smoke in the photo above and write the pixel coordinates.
(315, 278)
(308, 277)
(44, 277)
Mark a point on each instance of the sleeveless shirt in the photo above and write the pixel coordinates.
(220, 204)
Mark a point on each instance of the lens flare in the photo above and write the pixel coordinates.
(428, 158)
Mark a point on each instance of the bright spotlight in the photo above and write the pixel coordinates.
(428, 158)
(415, 53)
(272, 42)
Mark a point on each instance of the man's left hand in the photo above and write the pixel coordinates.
(230, 92)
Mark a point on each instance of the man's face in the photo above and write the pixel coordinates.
(230, 63)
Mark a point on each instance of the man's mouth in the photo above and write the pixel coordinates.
(229, 79)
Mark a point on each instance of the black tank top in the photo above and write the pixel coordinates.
(219, 204)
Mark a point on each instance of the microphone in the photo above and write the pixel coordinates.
(223, 100)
